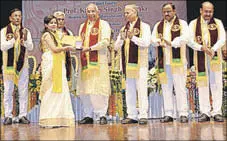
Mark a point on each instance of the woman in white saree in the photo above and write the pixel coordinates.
(56, 107)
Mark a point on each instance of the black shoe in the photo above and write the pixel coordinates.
(183, 119)
(203, 118)
(24, 120)
(86, 120)
(143, 121)
(128, 121)
(7, 121)
(218, 118)
(166, 119)
(103, 120)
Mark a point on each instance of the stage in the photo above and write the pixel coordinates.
(154, 130)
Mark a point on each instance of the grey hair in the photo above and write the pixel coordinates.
(59, 13)
(132, 6)
(92, 4)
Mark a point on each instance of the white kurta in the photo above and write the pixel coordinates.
(95, 90)
(23, 78)
(178, 81)
(215, 78)
(138, 84)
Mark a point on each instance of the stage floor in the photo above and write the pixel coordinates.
(154, 130)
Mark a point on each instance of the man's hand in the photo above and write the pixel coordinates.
(123, 35)
(22, 42)
(25, 33)
(162, 44)
(130, 34)
(16, 34)
(86, 49)
(167, 42)
(206, 50)
(9, 36)
(212, 53)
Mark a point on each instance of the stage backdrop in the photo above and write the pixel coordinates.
(111, 11)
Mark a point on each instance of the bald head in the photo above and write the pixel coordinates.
(207, 10)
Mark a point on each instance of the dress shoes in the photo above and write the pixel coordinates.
(183, 119)
(86, 120)
(128, 121)
(143, 121)
(203, 118)
(7, 121)
(103, 120)
(24, 120)
(166, 119)
(218, 118)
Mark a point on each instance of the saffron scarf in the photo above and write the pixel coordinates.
(93, 39)
(58, 59)
(200, 60)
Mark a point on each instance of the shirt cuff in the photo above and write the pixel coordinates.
(199, 47)
(134, 38)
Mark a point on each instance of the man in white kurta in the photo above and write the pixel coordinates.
(213, 67)
(62, 31)
(174, 76)
(14, 39)
(137, 33)
(93, 80)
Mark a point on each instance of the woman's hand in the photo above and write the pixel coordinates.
(68, 48)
